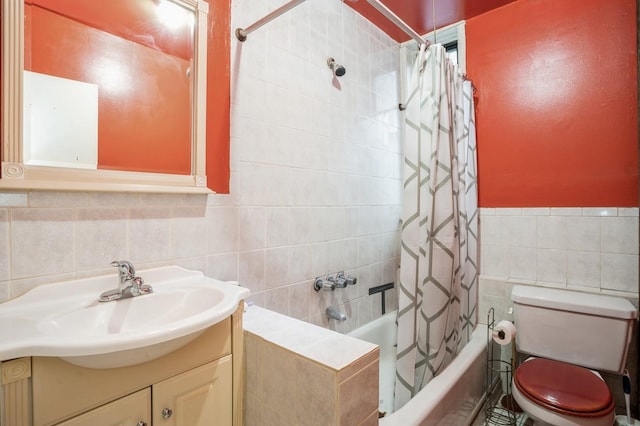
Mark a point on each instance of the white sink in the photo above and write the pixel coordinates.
(66, 320)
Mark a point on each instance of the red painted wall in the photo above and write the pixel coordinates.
(218, 95)
(556, 103)
(1, 110)
(418, 14)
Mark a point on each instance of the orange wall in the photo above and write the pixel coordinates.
(1, 111)
(218, 95)
(418, 14)
(556, 103)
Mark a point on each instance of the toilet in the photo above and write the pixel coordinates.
(570, 337)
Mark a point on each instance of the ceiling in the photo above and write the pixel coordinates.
(418, 14)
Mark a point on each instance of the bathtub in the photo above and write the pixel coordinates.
(454, 397)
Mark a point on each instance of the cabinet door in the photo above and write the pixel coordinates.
(132, 410)
(199, 397)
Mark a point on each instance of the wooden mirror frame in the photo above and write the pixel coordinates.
(18, 176)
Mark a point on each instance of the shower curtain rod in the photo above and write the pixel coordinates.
(398, 22)
(242, 33)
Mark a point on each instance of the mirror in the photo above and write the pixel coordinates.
(106, 98)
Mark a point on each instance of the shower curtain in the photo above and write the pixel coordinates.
(437, 295)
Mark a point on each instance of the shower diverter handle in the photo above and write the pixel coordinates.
(348, 279)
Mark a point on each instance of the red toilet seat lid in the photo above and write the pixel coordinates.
(564, 388)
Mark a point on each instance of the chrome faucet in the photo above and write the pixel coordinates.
(126, 272)
(333, 313)
(129, 285)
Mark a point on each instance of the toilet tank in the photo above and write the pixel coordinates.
(590, 330)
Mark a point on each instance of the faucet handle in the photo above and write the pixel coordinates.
(125, 267)
(138, 287)
(323, 284)
(349, 279)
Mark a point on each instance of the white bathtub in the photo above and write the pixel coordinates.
(454, 397)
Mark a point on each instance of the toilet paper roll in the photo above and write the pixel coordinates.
(504, 332)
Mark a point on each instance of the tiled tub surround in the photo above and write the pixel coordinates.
(298, 373)
(316, 160)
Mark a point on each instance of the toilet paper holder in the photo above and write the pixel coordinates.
(500, 406)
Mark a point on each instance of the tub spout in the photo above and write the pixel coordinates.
(333, 313)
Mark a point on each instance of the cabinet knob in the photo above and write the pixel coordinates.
(141, 423)
(166, 413)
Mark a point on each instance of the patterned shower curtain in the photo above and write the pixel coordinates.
(439, 256)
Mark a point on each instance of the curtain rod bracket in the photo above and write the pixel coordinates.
(398, 22)
(242, 33)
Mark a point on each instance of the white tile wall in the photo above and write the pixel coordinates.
(317, 157)
(591, 249)
(315, 185)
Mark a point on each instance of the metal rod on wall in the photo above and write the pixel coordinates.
(242, 33)
(397, 21)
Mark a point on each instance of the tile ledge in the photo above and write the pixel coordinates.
(305, 338)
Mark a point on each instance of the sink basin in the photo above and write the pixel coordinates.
(66, 320)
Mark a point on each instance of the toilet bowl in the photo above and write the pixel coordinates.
(570, 336)
(561, 394)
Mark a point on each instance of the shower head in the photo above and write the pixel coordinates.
(338, 70)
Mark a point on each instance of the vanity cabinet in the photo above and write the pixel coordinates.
(200, 397)
(198, 384)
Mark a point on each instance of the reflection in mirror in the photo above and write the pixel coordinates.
(107, 84)
(114, 76)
